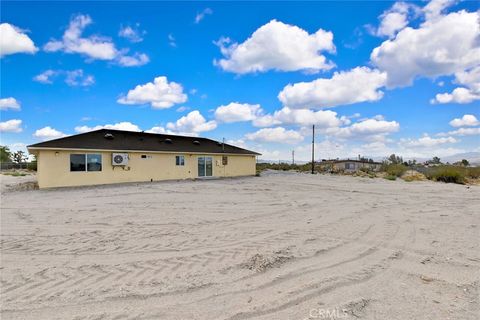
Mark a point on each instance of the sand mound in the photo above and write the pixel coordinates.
(261, 263)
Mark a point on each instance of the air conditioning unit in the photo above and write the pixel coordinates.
(119, 159)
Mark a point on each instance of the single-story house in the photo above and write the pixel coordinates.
(112, 156)
(348, 165)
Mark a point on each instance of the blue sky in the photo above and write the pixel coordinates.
(375, 77)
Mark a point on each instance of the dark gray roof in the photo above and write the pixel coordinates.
(106, 139)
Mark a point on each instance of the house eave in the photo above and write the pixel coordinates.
(34, 150)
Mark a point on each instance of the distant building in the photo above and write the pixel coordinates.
(348, 165)
(112, 156)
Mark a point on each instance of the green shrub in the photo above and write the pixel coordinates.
(448, 174)
(32, 166)
(391, 177)
(15, 174)
(396, 170)
(366, 169)
(473, 172)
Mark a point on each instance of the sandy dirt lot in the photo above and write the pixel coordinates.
(280, 246)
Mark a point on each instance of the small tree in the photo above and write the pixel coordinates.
(412, 163)
(394, 159)
(5, 154)
(19, 157)
(435, 160)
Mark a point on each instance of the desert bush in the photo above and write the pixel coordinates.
(396, 170)
(391, 177)
(285, 167)
(366, 169)
(473, 172)
(448, 174)
(14, 173)
(412, 175)
(32, 166)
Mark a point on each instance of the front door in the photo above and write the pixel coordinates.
(205, 166)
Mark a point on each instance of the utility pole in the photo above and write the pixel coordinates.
(313, 149)
(293, 156)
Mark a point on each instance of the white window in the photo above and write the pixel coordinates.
(86, 162)
(180, 160)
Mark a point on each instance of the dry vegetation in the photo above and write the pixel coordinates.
(440, 173)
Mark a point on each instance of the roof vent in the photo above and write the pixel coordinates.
(196, 142)
(169, 141)
(109, 136)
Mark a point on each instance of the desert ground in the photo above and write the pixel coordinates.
(279, 246)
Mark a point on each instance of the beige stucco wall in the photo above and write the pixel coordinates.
(54, 168)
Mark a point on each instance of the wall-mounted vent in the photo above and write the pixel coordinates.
(169, 141)
(196, 142)
(109, 136)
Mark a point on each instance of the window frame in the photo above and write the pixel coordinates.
(180, 161)
(85, 155)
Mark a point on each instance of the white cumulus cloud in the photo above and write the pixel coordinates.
(13, 125)
(135, 60)
(434, 8)
(160, 94)
(127, 126)
(302, 117)
(133, 34)
(14, 40)
(468, 120)
(278, 135)
(193, 122)
(237, 112)
(73, 78)
(48, 133)
(470, 80)
(78, 78)
(431, 50)
(9, 104)
(427, 141)
(93, 47)
(462, 132)
(375, 129)
(46, 76)
(458, 95)
(277, 46)
(357, 85)
(395, 19)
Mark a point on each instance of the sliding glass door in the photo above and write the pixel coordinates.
(205, 166)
